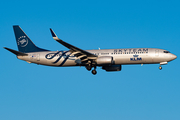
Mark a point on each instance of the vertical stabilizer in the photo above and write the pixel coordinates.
(24, 43)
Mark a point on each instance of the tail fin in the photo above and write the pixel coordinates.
(24, 43)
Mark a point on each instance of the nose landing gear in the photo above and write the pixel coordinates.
(160, 67)
(162, 63)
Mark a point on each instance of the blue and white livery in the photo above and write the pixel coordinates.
(108, 59)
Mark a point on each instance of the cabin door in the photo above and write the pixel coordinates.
(156, 52)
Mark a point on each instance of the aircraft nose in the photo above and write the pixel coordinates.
(173, 56)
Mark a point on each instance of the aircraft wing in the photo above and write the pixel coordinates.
(79, 53)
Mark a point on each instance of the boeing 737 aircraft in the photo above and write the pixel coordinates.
(108, 59)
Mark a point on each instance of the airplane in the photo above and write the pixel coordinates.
(107, 59)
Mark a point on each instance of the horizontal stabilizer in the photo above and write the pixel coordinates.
(16, 52)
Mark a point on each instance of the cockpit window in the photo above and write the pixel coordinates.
(166, 51)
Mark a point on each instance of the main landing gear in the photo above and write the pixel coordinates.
(94, 72)
(89, 67)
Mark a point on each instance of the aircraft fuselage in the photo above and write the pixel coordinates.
(120, 57)
(108, 59)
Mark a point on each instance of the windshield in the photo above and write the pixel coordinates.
(166, 51)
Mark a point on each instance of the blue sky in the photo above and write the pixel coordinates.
(29, 91)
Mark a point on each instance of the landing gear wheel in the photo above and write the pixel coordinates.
(88, 68)
(94, 72)
(160, 67)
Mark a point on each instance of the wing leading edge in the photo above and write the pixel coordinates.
(79, 53)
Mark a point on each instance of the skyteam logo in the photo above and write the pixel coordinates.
(22, 41)
(58, 56)
(136, 58)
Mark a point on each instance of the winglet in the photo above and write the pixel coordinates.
(54, 35)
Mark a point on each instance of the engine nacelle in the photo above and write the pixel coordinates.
(104, 60)
(112, 68)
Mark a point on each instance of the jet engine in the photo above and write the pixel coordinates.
(112, 68)
(104, 60)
